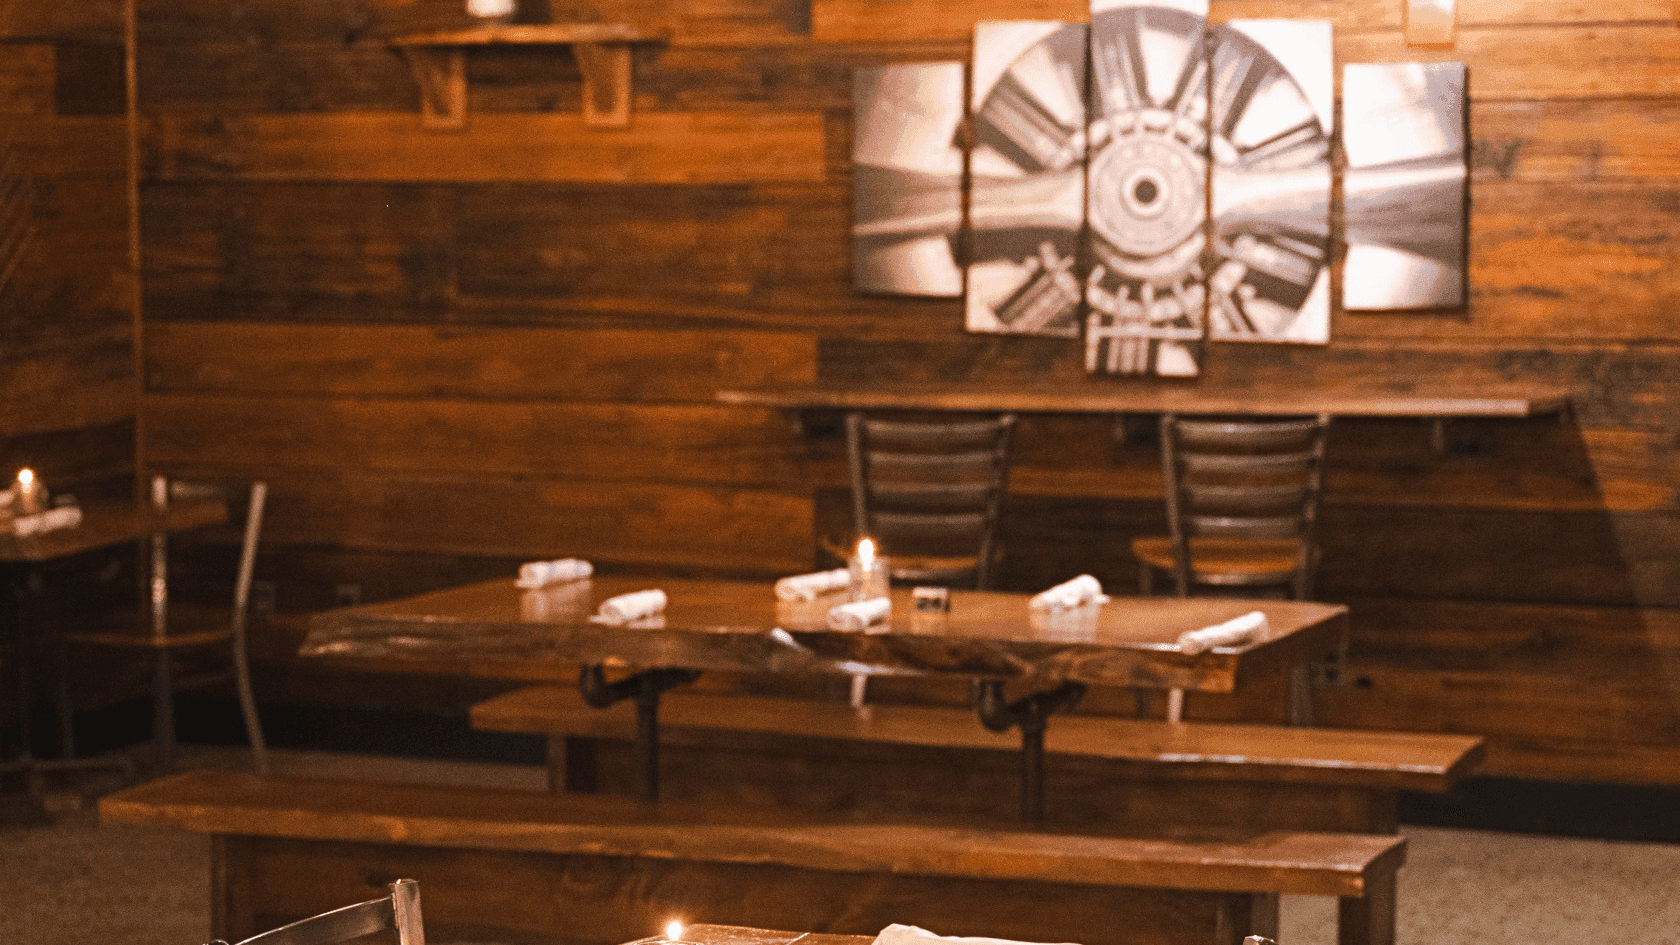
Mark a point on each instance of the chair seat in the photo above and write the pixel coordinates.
(1227, 560)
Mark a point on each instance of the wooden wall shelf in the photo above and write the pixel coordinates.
(438, 61)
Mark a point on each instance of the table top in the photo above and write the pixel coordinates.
(741, 626)
(105, 524)
(742, 935)
(1468, 401)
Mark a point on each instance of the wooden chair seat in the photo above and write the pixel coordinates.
(1227, 561)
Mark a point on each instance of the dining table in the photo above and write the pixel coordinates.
(995, 639)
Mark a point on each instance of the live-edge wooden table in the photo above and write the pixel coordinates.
(992, 638)
(103, 525)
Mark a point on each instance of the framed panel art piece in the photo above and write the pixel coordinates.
(1156, 183)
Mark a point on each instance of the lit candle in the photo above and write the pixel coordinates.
(868, 572)
(31, 498)
(673, 930)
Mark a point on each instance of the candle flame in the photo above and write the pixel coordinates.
(866, 552)
(674, 930)
(26, 478)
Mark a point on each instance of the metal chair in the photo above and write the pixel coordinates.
(929, 491)
(163, 642)
(398, 912)
(1242, 504)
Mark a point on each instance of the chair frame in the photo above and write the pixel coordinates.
(397, 911)
(1183, 523)
(862, 430)
(162, 643)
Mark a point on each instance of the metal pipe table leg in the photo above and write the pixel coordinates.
(1031, 714)
(645, 687)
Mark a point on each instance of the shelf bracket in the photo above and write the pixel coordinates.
(442, 76)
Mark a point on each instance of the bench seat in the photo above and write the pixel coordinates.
(602, 869)
(1356, 774)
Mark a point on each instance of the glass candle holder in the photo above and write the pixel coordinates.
(868, 573)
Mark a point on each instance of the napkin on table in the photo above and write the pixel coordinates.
(808, 586)
(541, 573)
(1232, 632)
(627, 607)
(1083, 589)
(859, 614)
(911, 935)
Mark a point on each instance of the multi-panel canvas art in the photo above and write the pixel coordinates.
(1027, 194)
(907, 166)
(1146, 286)
(1159, 183)
(1406, 188)
(1272, 106)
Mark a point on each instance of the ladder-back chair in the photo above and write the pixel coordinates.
(1242, 504)
(929, 492)
(397, 912)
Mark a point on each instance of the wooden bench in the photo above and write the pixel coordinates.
(941, 760)
(529, 866)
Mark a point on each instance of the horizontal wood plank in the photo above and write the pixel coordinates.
(585, 442)
(491, 363)
(657, 148)
(716, 529)
(217, 802)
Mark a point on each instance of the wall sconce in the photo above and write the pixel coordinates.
(1429, 22)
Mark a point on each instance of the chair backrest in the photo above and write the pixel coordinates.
(398, 912)
(1246, 479)
(929, 491)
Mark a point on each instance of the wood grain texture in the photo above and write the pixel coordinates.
(740, 625)
(717, 147)
(1392, 761)
(534, 898)
(627, 365)
(602, 825)
(583, 442)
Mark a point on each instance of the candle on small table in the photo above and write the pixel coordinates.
(31, 495)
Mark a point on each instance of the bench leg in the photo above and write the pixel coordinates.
(573, 766)
(1368, 919)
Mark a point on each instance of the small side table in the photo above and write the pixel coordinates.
(103, 525)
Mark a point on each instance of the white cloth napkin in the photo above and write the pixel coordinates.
(1232, 632)
(911, 935)
(808, 586)
(859, 614)
(1083, 589)
(543, 573)
(65, 516)
(627, 607)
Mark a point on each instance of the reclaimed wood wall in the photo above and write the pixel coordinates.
(68, 384)
(452, 351)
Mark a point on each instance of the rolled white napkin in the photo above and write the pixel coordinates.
(1083, 589)
(808, 586)
(859, 614)
(1230, 633)
(627, 607)
(65, 516)
(911, 935)
(543, 573)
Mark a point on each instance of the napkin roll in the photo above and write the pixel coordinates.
(1083, 589)
(65, 516)
(627, 607)
(541, 573)
(859, 614)
(1233, 632)
(808, 586)
(911, 935)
